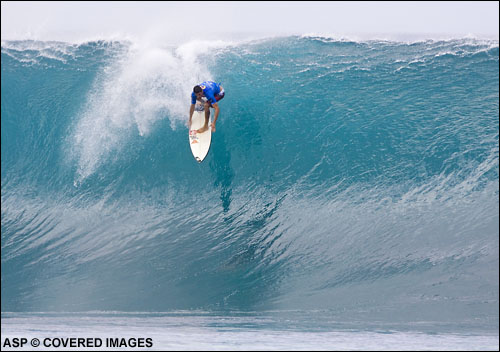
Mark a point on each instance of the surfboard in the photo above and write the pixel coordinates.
(200, 142)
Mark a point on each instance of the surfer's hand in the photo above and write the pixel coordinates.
(213, 127)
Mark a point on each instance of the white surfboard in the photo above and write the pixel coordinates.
(200, 142)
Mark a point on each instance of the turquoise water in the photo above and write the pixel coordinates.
(357, 178)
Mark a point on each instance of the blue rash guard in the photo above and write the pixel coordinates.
(210, 90)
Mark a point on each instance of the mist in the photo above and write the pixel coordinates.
(175, 22)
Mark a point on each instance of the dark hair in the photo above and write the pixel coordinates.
(197, 89)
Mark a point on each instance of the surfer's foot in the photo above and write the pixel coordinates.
(203, 129)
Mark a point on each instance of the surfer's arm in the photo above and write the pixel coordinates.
(191, 111)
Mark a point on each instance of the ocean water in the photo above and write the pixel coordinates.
(350, 198)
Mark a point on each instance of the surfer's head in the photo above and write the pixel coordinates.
(198, 91)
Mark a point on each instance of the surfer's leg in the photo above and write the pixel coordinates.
(207, 116)
(207, 112)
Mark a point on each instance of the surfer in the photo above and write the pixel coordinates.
(213, 92)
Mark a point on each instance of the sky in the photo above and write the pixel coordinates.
(177, 21)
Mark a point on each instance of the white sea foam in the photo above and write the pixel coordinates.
(142, 87)
(191, 331)
(30, 51)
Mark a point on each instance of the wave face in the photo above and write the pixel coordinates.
(358, 177)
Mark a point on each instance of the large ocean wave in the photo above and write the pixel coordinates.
(356, 176)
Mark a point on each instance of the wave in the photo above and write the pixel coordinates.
(357, 176)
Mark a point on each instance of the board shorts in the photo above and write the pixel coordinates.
(220, 95)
